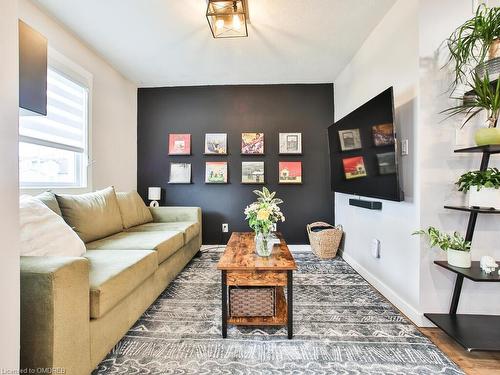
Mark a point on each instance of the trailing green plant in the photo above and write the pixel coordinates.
(445, 241)
(470, 42)
(486, 97)
(489, 178)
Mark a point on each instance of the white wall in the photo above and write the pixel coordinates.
(114, 104)
(389, 57)
(402, 51)
(440, 168)
(9, 228)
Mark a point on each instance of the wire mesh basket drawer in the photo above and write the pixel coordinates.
(252, 301)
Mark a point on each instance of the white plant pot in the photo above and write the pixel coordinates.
(486, 197)
(459, 258)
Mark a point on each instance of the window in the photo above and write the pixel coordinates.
(53, 148)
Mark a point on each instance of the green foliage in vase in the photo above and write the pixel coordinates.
(263, 213)
(486, 97)
(489, 178)
(445, 241)
(470, 42)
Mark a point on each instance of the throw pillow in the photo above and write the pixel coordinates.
(49, 199)
(44, 233)
(133, 210)
(93, 215)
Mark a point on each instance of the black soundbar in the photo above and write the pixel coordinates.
(371, 205)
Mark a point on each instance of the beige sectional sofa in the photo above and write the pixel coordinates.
(75, 309)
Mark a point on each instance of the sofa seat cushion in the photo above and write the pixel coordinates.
(165, 243)
(190, 228)
(114, 274)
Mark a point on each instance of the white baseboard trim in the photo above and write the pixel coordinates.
(299, 248)
(413, 314)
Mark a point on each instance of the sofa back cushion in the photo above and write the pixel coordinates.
(49, 199)
(44, 233)
(133, 210)
(93, 215)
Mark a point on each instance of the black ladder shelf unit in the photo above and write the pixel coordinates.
(473, 332)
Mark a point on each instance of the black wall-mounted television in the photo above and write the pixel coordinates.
(364, 151)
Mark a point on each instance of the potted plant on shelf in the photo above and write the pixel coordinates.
(456, 247)
(261, 216)
(475, 40)
(486, 97)
(483, 187)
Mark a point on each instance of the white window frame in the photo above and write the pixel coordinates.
(79, 75)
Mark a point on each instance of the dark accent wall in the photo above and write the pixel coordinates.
(270, 109)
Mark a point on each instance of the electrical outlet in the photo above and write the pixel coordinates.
(375, 248)
(274, 229)
(225, 228)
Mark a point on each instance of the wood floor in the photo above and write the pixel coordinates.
(472, 363)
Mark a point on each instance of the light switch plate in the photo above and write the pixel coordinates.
(404, 147)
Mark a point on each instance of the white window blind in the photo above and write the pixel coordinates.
(53, 148)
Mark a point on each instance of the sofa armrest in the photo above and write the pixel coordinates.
(173, 214)
(55, 320)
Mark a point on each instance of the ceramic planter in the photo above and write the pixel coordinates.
(487, 136)
(486, 197)
(459, 259)
(494, 50)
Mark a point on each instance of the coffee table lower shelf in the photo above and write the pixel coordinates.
(473, 332)
(280, 319)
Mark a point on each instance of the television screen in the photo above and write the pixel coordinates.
(363, 151)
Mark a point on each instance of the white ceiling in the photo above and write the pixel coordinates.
(168, 42)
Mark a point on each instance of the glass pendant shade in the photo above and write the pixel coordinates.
(227, 18)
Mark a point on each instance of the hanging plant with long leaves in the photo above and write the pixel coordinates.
(470, 42)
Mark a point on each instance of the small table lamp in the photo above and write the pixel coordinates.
(154, 195)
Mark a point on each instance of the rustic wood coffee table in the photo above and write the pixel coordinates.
(241, 266)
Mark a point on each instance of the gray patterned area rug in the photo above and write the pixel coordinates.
(341, 326)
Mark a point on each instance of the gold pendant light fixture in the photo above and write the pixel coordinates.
(227, 18)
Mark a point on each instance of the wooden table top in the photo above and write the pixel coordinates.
(240, 255)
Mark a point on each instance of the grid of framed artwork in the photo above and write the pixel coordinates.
(252, 172)
(354, 166)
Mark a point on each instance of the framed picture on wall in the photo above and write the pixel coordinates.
(290, 172)
(252, 172)
(252, 143)
(290, 143)
(386, 163)
(354, 167)
(216, 172)
(180, 173)
(349, 139)
(179, 144)
(216, 144)
(383, 135)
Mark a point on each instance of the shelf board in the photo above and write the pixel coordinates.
(473, 332)
(473, 273)
(280, 319)
(488, 149)
(480, 210)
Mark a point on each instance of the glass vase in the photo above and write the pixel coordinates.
(263, 244)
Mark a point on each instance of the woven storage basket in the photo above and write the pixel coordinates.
(325, 243)
(251, 301)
